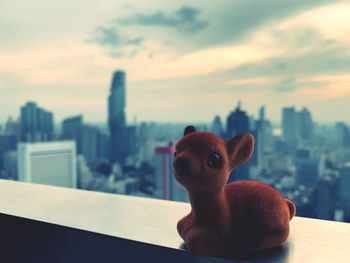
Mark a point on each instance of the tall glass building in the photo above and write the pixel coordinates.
(117, 119)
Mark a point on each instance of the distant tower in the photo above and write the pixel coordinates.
(325, 191)
(89, 138)
(13, 127)
(36, 123)
(216, 126)
(289, 126)
(50, 163)
(342, 133)
(260, 138)
(7, 143)
(116, 118)
(71, 128)
(167, 187)
(237, 122)
(262, 113)
(305, 125)
(307, 168)
(343, 191)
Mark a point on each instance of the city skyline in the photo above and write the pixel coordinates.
(307, 163)
(184, 62)
(103, 124)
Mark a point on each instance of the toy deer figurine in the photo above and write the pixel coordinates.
(226, 219)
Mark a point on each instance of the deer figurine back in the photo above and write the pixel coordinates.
(226, 219)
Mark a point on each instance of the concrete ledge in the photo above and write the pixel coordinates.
(69, 225)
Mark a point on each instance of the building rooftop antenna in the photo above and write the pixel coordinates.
(239, 105)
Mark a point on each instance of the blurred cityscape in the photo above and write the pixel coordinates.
(308, 162)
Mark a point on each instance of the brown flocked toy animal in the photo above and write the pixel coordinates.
(226, 219)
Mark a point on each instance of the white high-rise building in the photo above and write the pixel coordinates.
(50, 163)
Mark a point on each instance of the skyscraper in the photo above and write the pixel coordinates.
(307, 168)
(342, 133)
(71, 130)
(343, 192)
(50, 163)
(237, 123)
(325, 191)
(216, 126)
(262, 113)
(305, 125)
(117, 119)
(13, 127)
(104, 145)
(167, 187)
(36, 123)
(89, 137)
(260, 139)
(289, 126)
(7, 143)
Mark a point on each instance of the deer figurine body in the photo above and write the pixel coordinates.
(226, 219)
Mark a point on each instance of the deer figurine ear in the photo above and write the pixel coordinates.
(239, 149)
(189, 129)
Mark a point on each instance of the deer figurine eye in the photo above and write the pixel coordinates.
(214, 160)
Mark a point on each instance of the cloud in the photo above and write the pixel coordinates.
(329, 86)
(132, 53)
(297, 51)
(249, 81)
(303, 84)
(303, 52)
(202, 62)
(234, 24)
(10, 82)
(116, 54)
(184, 19)
(108, 36)
(288, 84)
(312, 63)
(236, 20)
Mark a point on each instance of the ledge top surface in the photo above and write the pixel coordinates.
(154, 221)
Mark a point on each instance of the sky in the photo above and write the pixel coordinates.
(186, 61)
